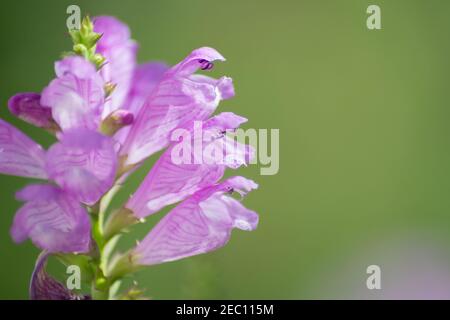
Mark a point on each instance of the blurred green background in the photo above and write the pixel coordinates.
(364, 140)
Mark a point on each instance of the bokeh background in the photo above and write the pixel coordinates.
(364, 140)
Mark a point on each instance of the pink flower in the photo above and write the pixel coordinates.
(168, 183)
(108, 115)
(200, 224)
(180, 98)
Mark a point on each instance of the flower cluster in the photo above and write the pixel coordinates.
(109, 114)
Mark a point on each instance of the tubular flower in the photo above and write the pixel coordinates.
(180, 98)
(76, 96)
(199, 224)
(108, 114)
(27, 106)
(168, 183)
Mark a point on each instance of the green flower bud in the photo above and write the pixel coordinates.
(85, 41)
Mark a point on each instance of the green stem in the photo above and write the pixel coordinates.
(105, 238)
(100, 286)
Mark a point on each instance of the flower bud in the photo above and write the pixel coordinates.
(27, 106)
(116, 121)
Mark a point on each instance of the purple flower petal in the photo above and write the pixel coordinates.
(52, 219)
(224, 86)
(169, 182)
(19, 155)
(223, 149)
(145, 79)
(76, 66)
(120, 53)
(224, 121)
(44, 287)
(27, 106)
(83, 163)
(201, 58)
(198, 225)
(76, 96)
(178, 99)
(114, 32)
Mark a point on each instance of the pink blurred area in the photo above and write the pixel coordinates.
(414, 265)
